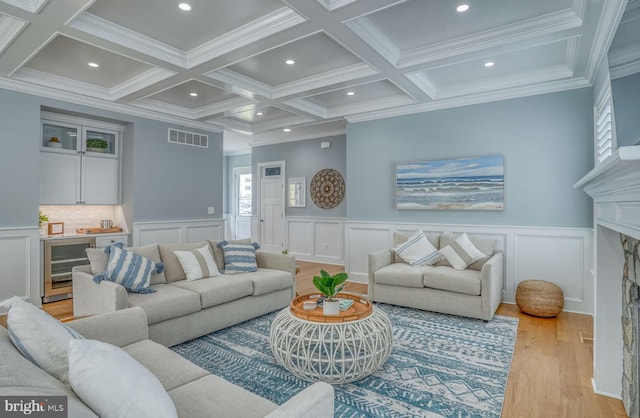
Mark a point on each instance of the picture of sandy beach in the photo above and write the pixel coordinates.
(465, 184)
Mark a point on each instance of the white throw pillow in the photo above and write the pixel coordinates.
(461, 253)
(114, 384)
(197, 263)
(418, 251)
(39, 337)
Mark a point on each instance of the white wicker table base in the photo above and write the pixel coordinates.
(340, 352)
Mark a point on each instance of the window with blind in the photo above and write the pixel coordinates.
(604, 126)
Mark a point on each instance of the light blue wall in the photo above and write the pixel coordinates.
(626, 108)
(546, 141)
(305, 159)
(161, 181)
(231, 162)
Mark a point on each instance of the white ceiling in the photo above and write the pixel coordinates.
(396, 57)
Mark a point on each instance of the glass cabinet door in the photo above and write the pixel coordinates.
(60, 136)
(100, 141)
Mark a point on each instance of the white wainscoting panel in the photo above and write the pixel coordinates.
(166, 232)
(563, 256)
(316, 239)
(20, 261)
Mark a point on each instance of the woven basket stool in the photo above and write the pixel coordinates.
(539, 298)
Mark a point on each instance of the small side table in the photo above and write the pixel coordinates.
(331, 349)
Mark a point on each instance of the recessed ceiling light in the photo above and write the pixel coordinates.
(184, 7)
(287, 129)
(351, 93)
(489, 64)
(462, 8)
(289, 62)
(193, 94)
(259, 113)
(93, 65)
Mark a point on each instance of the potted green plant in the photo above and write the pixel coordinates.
(42, 220)
(330, 286)
(97, 145)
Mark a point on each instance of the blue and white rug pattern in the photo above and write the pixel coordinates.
(440, 366)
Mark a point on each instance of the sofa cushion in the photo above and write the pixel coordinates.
(20, 377)
(169, 367)
(418, 251)
(197, 263)
(402, 274)
(456, 281)
(199, 399)
(218, 254)
(168, 302)
(172, 269)
(214, 291)
(400, 237)
(114, 384)
(99, 259)
(39, 337)
(485, 245)
(268, 280)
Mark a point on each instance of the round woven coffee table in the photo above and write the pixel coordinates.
(338, 349)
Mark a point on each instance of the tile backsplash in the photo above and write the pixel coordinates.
(75, 217)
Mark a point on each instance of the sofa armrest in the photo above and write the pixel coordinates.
(90, 298)
(492, 278)
(377, 260)
(316, 401)
(275, 261)
(119, 328)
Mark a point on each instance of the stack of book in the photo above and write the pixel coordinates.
(345, 303)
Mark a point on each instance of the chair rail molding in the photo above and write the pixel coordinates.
(315, 239)
(166, 232)
(563, 256)
(20, 259)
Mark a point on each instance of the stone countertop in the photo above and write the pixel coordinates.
(70, 235)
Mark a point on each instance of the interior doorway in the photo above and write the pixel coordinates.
(242, 198)
(271, 205)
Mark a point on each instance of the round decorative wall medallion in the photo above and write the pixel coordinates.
(327, 188)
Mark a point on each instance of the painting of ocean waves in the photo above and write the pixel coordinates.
(466, 184)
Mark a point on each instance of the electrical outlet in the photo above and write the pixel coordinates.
(211, 210)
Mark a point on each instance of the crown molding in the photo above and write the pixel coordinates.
(162, 107)
(234, 125)
(486, 97)
(221, 107)
(612, 11)
(624, 69)
(94, 25)
(289, 121)
(307, 106)
(278, 138)
(79, 99)
(370, 33)
(10, 28)
(528, 29)
(250, 85)
(571, 53)
(424, 83)
(142, 80)
(30, 75)
(624, 55)
(267, 25)
(370, 106)
(31, 6)
(340, 75)
(332, 5)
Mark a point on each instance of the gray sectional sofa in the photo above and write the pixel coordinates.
(181, 310)
(475, 292)
(194, 392)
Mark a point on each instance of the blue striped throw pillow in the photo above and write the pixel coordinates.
(128, 269)
(418, 251)
(239, 258)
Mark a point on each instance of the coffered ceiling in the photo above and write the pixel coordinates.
(256, 67)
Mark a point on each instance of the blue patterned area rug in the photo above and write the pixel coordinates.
(440, 366)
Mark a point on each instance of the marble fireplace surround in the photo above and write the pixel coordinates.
(615, 189)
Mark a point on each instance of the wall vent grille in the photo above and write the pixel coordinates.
(178, 136)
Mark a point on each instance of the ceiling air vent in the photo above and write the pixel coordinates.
(178, 136)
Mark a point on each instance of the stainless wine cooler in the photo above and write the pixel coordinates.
(60, 256)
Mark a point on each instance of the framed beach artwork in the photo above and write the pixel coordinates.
(461, 184)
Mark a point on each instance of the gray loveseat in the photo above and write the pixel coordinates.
(195, 392)
(475, 292)
(181, 310)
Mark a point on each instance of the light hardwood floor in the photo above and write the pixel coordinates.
(552, 364)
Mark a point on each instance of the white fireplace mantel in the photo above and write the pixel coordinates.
(615, 189)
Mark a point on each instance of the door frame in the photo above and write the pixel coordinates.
(260, 175)
(245, 169)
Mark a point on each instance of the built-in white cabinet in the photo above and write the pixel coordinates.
(79, 161)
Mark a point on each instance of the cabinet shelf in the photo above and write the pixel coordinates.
(70, 260)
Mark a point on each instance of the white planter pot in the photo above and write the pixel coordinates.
(331, 308)
(43, 231)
